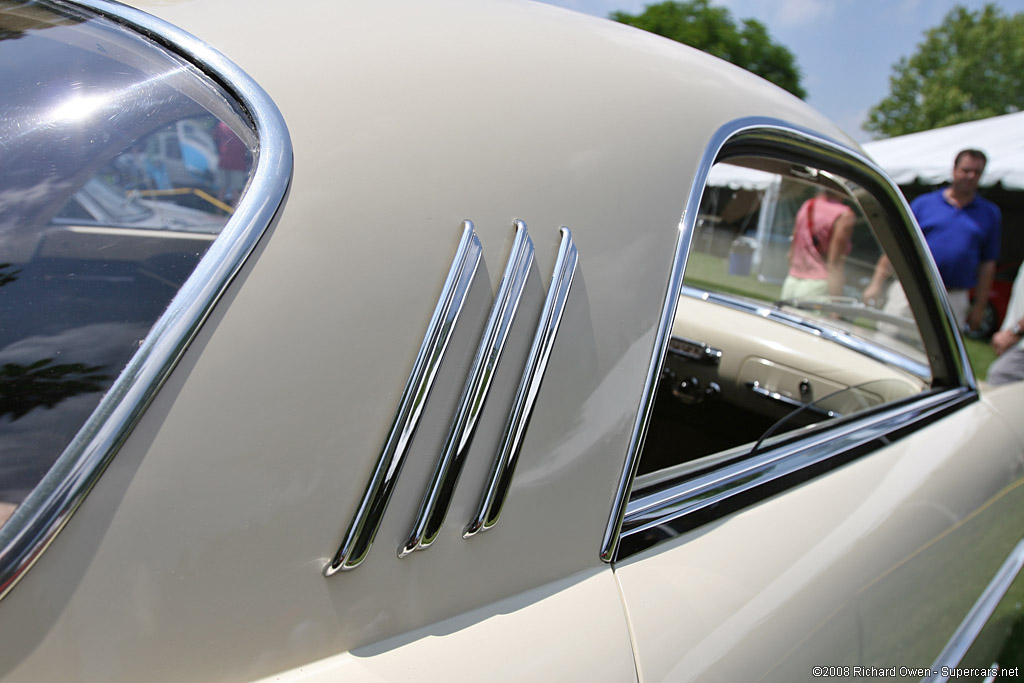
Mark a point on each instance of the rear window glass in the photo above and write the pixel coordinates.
(789, 319)
(120, 165)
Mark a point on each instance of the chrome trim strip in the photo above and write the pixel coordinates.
(979, 615)
(669, 503)
(849, 306)
(526, 395)
(370, 512)
(789, 403)
(909, 365)
(37, 521)
(438, 496)
(761, 134)
(693, 350)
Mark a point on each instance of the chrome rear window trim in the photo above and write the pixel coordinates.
(695, 495)
(374, 502)
(438, 496)
(500, 479)
(41, 516)
(755, 135)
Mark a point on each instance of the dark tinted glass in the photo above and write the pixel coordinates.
(119, 166)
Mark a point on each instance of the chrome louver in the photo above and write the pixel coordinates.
(499, 322)
(529, 385)
(441, 488)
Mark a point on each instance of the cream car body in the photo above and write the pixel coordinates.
(199, 552)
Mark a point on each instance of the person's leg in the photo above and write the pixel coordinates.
(802, 288)
(1008, 367)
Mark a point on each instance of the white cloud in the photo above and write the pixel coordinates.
(803, 12)
(784, 14)
(789, 13)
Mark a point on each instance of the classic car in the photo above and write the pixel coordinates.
(462, 386)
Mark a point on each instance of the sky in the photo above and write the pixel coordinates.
(845, 49)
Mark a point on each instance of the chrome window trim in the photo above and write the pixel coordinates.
(500, 479)
(668, 505)
(970, 628)
(363, 528)
(438, 495)
(41, 516)
(883, 355)
(763, 135)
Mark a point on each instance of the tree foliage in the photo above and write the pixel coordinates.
(712, 29)
(45, 384)
(969, 67)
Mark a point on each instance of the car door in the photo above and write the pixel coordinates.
(815, 486)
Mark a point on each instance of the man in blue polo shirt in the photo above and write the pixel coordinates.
(963, 233)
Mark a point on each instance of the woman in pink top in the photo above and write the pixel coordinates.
(817, 252)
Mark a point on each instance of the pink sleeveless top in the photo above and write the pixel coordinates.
(812, 233)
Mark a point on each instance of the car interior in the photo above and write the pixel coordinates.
(744, 367)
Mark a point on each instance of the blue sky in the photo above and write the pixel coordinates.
(845, 48)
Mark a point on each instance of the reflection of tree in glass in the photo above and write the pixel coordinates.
(24, 387)
(8, 273)
(21, 16)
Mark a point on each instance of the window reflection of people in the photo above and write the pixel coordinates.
(234, 161)
(818, 249)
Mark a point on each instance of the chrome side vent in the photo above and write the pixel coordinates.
(442, 484)
(526, 395)
(441, 488)
(439, 332)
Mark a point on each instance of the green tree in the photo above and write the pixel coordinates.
(969, 67)
(699, 24)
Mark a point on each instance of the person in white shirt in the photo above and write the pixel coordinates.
(1008, 342)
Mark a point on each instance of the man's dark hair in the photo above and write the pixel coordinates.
(974, 153)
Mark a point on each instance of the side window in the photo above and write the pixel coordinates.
(790, 319)
(117, 178)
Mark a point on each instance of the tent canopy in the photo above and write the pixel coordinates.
(927, 157)
(739, 177)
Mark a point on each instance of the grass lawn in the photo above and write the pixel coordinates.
(981, 354)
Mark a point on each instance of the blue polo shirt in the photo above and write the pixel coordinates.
(959, 239)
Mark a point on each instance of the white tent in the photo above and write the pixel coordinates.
(914, 162)
(927, 157)
(739, 177)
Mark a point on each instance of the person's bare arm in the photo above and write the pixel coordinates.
(1003, 340)
(838, 248)
(883, 269)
